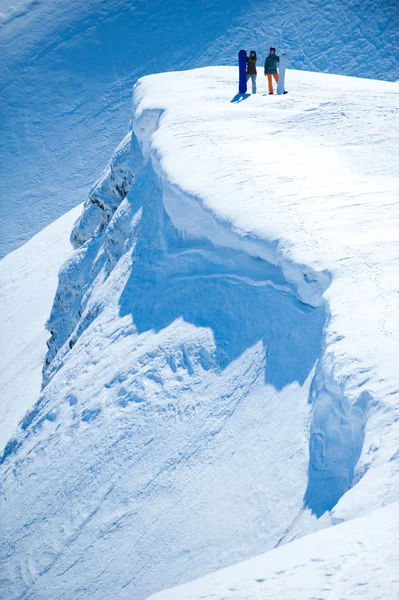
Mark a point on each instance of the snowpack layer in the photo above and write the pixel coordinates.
(68, 69)
(215, 382)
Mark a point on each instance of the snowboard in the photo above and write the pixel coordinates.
(242, 67)
(281, 73)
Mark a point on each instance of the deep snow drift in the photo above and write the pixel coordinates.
(221, 366)
(67, 69)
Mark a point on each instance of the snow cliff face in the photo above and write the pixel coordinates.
(201, 402)
(68, 69)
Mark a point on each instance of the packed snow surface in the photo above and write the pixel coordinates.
(355, 560)
(67, 69)
(221, 374)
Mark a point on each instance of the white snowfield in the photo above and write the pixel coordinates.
(221, 375)
(28, 282)
(355, 560)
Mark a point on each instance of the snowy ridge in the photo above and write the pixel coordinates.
(338, 424)
(257, 264)
(201, 392)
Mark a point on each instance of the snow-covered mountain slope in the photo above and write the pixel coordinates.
(68, 68)
(356, 560)
(28, 279)
(221, 367)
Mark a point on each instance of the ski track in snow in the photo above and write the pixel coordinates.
(213, 368)
(68, 69)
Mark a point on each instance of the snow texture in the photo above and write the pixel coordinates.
(68, 68)
(221, 374)
(356, 560)
(28, 279)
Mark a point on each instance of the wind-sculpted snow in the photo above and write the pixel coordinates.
(210, 388)
(68, 69)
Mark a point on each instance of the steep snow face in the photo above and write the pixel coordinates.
(68, 68)
(208, 379)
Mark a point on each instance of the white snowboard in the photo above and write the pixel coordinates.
(281, 73)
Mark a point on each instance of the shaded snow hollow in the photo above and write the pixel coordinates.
(221, 363)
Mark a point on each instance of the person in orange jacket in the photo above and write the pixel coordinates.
(271, 63)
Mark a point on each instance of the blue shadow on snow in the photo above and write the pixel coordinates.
(239, 98)
(222, 289)
(243, 300)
